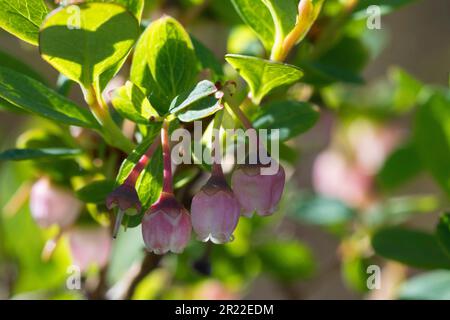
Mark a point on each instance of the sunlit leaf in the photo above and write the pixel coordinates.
(86, 48)
(164, 62)
(23, 18)
(131, 103)
(262, 75)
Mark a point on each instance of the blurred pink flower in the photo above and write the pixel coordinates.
(90, 246)
(166, 226)
(371, 144)
(214, 290)
(335, 177)
(52, 205)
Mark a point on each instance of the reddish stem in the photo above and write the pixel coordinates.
(167, 184)
(142, 163)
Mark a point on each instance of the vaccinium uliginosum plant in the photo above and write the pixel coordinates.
(167, 88)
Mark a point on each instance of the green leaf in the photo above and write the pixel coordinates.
(257, 16)
(322, 211)
(201, 90)
(428, 286)
(284, 15)
(134, 6)
(96, 192)
(103, 38)
(443, 232)
(149, 184)
(411, 247)
(164, 62)
(386, 6)
(432, 128)
(201, 109)
(133, 158)
(33, 96)
(286, 260)
(15, 64)
(263, 75)
(208, 60)
(401, 166)
(290, 117)
(131, 103)
(23, 18)
(31, 154)
(10, 62)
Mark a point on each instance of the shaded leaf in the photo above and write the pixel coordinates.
(31, 95)
(96, 192)
(207, 59)
(401, 166)
(200, 109)
(201, 90)
(443, 232)
(411, 247)
(290, 117)
(30, 154)
(432, 128)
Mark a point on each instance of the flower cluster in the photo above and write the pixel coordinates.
(215, 209)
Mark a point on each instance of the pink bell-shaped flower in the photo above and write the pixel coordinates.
(90, 246)
(52, 205)
(256, 191)
(215, 210)
(166, 226)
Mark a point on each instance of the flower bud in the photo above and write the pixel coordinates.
(215, 211)
(166, 226)
(125, 198)
(256, 191)
(51, 205)
(90, 246)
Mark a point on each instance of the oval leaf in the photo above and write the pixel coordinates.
(263, 75)
(290, 117)
(131, 103)
(83, 49)
(201, 90)
(432, 128)
(164, 63)
(411, 247)
(257, 16)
